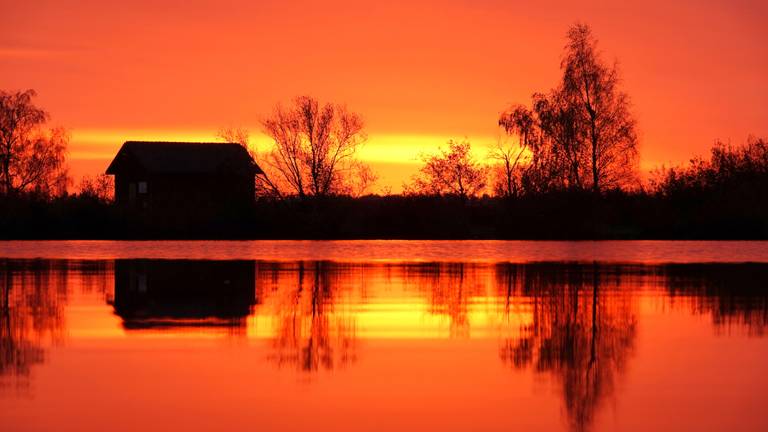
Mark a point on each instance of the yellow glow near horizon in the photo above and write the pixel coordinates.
(393, 157)
(388, 148)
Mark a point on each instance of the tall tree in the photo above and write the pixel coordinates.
(31, 158)
(586, 133)
(452, 171)
(315, 146)
(603, 110)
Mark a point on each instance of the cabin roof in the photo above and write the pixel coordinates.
(163, 157)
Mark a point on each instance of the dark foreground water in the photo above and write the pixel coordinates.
(393, 341)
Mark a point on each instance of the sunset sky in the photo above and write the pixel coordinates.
(420, 72)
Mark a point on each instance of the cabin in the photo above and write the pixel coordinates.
(177, 181)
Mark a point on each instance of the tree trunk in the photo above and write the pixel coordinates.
(595, 176)
(6, 180)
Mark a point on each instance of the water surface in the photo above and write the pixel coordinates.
(382, 344)
(645, 251)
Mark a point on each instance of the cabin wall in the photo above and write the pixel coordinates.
(182, 198)
(128, 194)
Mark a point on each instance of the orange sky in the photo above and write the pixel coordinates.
(419, 72)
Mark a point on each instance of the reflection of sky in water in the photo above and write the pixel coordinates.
(292, 344)
(490, 251)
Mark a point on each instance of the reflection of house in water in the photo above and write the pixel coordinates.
(174, 293)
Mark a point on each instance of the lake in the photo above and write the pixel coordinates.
(383, 335)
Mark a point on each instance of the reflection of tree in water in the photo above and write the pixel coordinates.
(311, 333)
(736, 295)
(581, 330)
(31, 313)
(93, 276)
(450, 288)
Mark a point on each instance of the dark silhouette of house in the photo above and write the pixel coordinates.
(182, 180)
(184, 293)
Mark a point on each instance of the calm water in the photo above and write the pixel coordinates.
(399, 251)
(351, 336)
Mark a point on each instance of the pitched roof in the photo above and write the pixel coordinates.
(161, 157)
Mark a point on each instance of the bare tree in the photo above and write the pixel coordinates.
(518, 120)
(506, 171)
(100, 187)
(450, 172)
(240, 135)
(31, 158)
(358, 179)
(314, 146)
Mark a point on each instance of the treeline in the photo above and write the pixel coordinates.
(724, 197)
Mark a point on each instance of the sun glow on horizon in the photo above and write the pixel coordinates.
(393, 157)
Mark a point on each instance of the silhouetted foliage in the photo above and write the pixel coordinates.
(611, 215)
(726, 193)
(32, 159)
(450, 172)
(581, 134)
(99, 187)
(729, 170)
